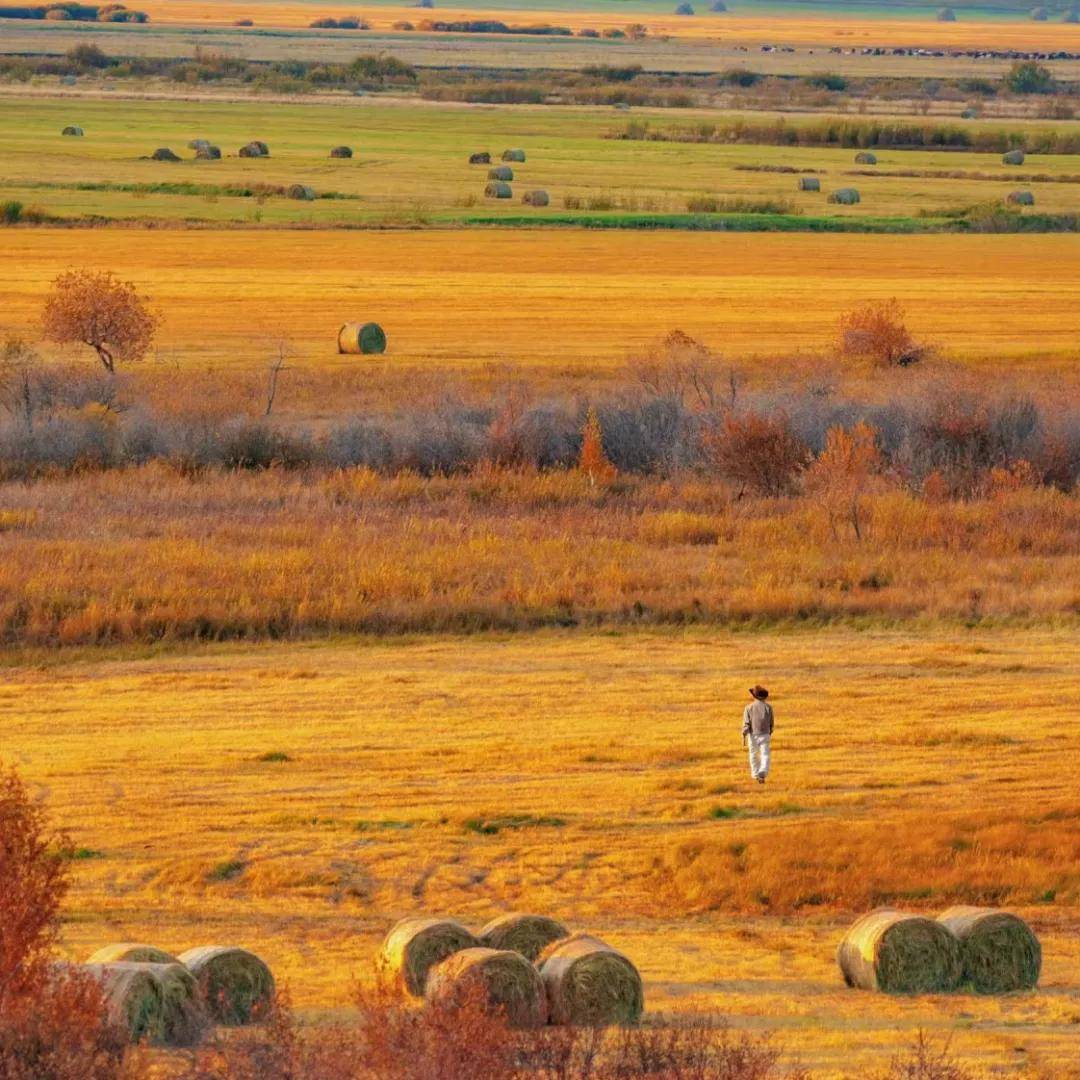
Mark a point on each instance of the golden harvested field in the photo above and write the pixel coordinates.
(560, 301)
(598, 777)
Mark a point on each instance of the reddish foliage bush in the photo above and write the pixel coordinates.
(760, 454)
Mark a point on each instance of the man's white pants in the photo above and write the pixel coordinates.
(759, 755)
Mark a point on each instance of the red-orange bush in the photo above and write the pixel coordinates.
(760, 454)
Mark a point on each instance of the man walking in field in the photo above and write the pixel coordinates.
(757, 729)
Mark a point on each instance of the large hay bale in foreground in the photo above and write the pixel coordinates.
(498, 190)
(529, 935)
(536, 198)
(504, 982)
(1013, 157)
(72, 129)
(133, 999)
(900, 954)
(864, 157)
(208, 153)
(999, 951)
(300, 191)
(845, 196)
(163, 153)
(236, 985)
(483, 158)
(513, 155)
(415, 945)
(366, 338)
(590, 984)
(501, 172)
(341, 152)
(132, 953)
(184, 1017)
(809, 183)
(1020, 198)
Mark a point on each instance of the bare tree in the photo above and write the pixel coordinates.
(99, 310)
(277, 366)
(20, 391)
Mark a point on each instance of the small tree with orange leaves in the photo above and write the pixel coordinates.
(593, 461)
(843, 474)
(99, 310)
(878, 333)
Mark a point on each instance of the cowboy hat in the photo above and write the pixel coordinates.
(759, 692)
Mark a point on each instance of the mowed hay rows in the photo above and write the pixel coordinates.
(414, 946)
(504, 982)
(236, 985)
(589, 983)
(899, 953)
(521, 933)
(1000, 953)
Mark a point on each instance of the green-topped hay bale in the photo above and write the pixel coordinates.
(501, 172)
(845, 196)
(536, 198)
(163, 153)
(1039, 14)
(1013, 157)
(415, 945)
(259, 145)
(864, 157)
(131, 952)
(341, 152)
(361, 338)
(300, 191)
(1020, 198)
(899, 953)
(133, 999)
(809, 183)
(504, 982)
(236, 985)
(208, 153)
(197, 144)
(999, 951)
(483, 158)
(529, 935)
(513, 155)
(718, 6)
(255, 149)
(72, 129)
(498, 190)
(946, 14)
(184, 1017)
(684, 9)
(589, 983)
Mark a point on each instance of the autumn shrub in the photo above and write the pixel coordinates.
(759, 454)
(877, 332)
(922, 1061)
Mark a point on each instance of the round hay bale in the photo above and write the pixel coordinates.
(72, 129)
(946, 14)
(163, 153)
(590, 984)
(809, 183)
(341, 152)
(1039, 14)
(300, 191)
(504, 981)
(844, 196)
(259, 145)
(198, 144)
(718, 6)
(684, 9)
(184, 1019)
(535, 198)
(1013, 157)
(999, 951)
(236, 985)
(1020, 198)
(1072, 15)
(501, 172)
(133, 999)
(529, 935)
(865, 158)
(513, 155)
(498, 190)
(483, 158)
(414, 946)
(250, 151)
(366, 338)
(208, 153)
(970, 113)
(131, 953)
(900, 954)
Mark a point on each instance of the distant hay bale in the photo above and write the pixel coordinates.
(845, 196)
(341, 152)
(525, 934)
(133, 999)
(501, 172)
(198, 144)
(415, 945)
(131, 953)
(163, 153)
(498, 190)
(260, 146)
(72, 129)
(717, 6)
(208, 153)
(809, 183)
(999, 951)
(300, 191)
(254, 149)
(1072, 15)
(946, 14)
(685, 9)
(513, 155)
(865, 158)
(1040, 14)
(900, 954)
(503, 981)
(970, 113)
(590, 984)
(483, 158)
(1013, 157)
(535, 198)
(366, 338)
(1020, 198)
(236, 985)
